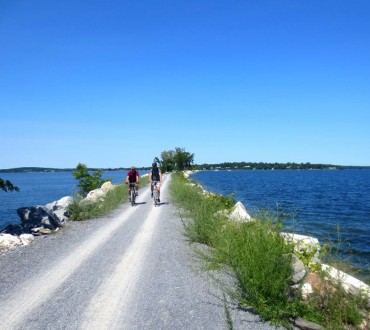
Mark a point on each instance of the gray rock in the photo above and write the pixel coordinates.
(59, 209)
(37, 216)
(299, 270)
(306, 325)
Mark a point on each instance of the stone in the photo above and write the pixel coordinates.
(37, 216)
(306, 325)
(239, 213)
(306, 291)
(306, 246)
(59, 209)
(41, 231)
(106, 186)
(94, 195)
(298, 269)
(26, 239)
(348, 282)
(8, 241)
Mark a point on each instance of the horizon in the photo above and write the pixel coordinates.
(115, 84)
(195, 164)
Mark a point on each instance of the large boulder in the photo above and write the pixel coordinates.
(94, 195)
(37, 216)
(348, 282)
(239, 213)
(107, 186)
(59, 209)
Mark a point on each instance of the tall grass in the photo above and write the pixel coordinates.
(82, 210)
(260, 259)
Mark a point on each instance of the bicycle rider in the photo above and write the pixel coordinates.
(155, 175)
(133, 177)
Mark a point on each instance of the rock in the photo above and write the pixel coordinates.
(13, 230)
(41, 231)
(306, 290)
(59, 209)
(306, 325)
(239, 213)
(8, 241)
(107, 186)
(26, 239)
(37, 216)
(305, 246)
(94, 195)
(348, 282)
(298, 268)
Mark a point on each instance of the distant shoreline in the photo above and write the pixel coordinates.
(221, 166)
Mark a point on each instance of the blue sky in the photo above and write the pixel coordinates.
(114, 83)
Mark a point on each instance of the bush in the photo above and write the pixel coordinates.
(87, 181)
(82, 211)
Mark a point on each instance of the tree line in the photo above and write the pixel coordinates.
(265, 166)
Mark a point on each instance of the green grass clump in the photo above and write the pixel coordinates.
(113, 198)
(261, 260)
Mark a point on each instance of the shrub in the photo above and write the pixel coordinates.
(87, 181)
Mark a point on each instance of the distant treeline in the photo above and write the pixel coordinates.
(47, 169)
(221, 166)
(273, 166)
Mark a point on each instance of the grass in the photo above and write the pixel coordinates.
(261, 261)
(82, 211)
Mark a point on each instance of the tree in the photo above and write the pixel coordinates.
(87, 181)
(167, 163)
(7, 185)
(183, 159)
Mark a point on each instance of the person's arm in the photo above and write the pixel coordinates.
(160, 176)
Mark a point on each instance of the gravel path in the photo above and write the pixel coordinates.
(130, 270)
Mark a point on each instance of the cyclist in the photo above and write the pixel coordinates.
(155, 175)
(133, 177)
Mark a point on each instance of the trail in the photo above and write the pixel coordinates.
(130, 270)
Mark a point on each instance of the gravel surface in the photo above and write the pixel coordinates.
(130, 270)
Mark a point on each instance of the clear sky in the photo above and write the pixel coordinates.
(114, 83)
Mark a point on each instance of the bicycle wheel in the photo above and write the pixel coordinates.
(155, 196)
(133, 195)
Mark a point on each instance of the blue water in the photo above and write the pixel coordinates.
(40, 188)
(317, 202)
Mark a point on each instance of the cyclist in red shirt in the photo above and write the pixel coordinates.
(133, 177)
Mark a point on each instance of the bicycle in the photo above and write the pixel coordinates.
(155, 193)
(132, 187)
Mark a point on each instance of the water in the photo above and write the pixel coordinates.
(40, 188)
(318, 202)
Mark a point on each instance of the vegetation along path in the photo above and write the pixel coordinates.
(130, 270)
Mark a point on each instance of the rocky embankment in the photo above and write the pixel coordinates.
(44, 220)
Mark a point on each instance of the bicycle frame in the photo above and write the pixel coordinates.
(132, 187)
